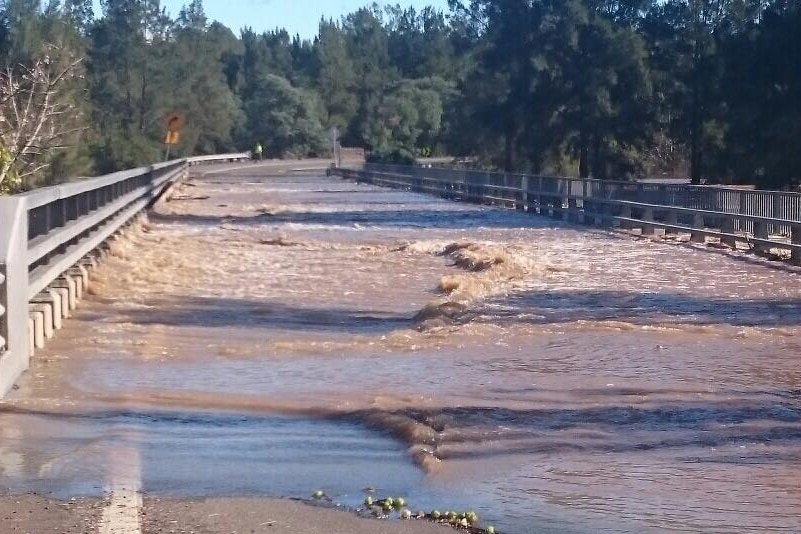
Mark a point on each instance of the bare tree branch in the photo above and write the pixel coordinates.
(34, 115)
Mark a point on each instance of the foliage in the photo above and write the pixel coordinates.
(408, 115)
(286, 120)
(607, 88)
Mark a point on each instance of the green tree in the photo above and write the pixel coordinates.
(336, 77)
(368, 48)
(197, 87)
(597, 71)
(684, 37)
(762, 140)
(409, 116)
(285, 119)
(419, 44)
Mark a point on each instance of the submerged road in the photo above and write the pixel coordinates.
(268, 333)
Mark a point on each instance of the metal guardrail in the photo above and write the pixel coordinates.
(764, 220)
(43, 233)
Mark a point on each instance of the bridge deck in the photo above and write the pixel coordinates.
(267, 334)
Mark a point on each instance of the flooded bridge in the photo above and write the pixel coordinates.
(271, 331)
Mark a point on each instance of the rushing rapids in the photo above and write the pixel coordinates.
(293, 332)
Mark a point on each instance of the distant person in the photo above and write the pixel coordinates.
(257, 152)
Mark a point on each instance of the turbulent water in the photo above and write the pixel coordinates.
(292, 332)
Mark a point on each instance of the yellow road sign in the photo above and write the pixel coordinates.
(174, 122)
(172, 138)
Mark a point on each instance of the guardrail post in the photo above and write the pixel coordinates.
(556, 206)
(14, 349)
(698, 222)
(727, 227)
(625, 212)
(572, 211)
(671, 218)
(776, 209)
(795, 238)
(761, 232)
(603, 215)
(585, 195)
(648, 216)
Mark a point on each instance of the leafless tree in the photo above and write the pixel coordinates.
(36, 115)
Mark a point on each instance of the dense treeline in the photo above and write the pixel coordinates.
(709, 89)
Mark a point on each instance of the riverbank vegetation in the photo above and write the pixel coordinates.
(708, 89)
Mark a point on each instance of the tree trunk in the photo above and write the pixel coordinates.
(143, 102)
(695, 163)
(509, 152)
(598, 160)
(695, 115)
(584, 155)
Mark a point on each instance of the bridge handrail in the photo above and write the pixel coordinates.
(773, 204)
(45, 232)
(764, 220)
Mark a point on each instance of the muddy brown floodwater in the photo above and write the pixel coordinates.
(269, 335)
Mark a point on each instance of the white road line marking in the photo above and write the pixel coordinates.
(122, 515)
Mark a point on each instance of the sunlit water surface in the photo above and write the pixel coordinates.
(275, 335)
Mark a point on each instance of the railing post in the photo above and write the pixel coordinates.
(523, 193)
(648, 216)
(727, 227)
(573, 214)
(698, 222)
(603, 215)
(795, 239)
(625, 212)
(776, 210)
(587, 206)
(761, 232)
(556, 206)
(14, 347)
(540, 198)
(671, 218)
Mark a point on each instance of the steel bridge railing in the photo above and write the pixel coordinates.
(45, 232)
(763, 220)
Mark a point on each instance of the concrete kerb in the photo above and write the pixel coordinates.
(69, 283)
(38, 330)
(31, 336)
(48, 325)
(51, 298)
(82, 274)
(89, 263)
(63, 295)
(27, 323)
(47, 311)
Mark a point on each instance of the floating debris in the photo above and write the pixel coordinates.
(387, 507)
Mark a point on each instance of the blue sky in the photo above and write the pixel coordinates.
(297, 16)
